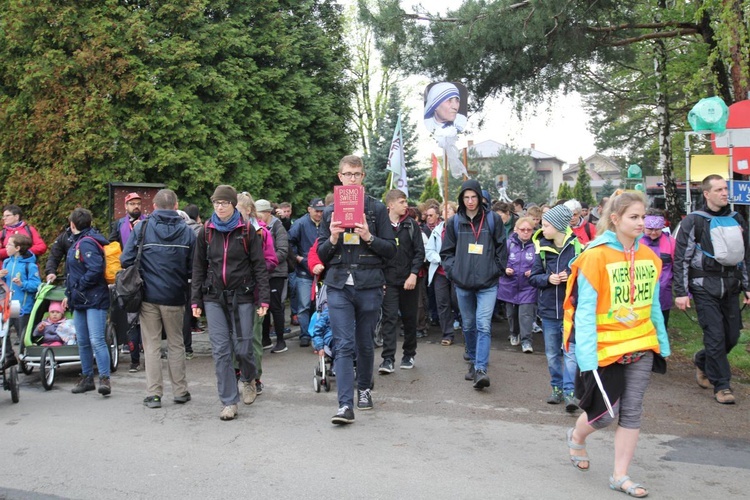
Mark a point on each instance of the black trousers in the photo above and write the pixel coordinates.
(406, 301)
(276, 309)
(720, 320)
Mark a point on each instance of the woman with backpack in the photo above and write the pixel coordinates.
(619, 330)
(663, 245)
(228, 271)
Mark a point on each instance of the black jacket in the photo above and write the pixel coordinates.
(58, 250)
(474, 271)
(167, 257)
(409, 252)
(221, 263)
(365, 262)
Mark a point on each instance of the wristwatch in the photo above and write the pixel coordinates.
(372, 238)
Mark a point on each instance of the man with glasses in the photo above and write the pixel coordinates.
(354, 259)
(13, 223)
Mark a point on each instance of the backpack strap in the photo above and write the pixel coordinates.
(78, 243)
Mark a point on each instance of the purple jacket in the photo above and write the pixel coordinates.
(663, 247)
(516, 289)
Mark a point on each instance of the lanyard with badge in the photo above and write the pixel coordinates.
(475, 248)
(626, 314)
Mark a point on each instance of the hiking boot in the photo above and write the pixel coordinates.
(248, 392)
(189, 355)
(556, 397)
(228, 412)
(258, 387)
(85, 384)
(386, 367)
(279, 347)
(700, 375)
(725, 397)
(181, 400)
(514, 340)
(571, 402)
(364, 400)
(481, 380)
(345, 415)
(134, 367)
(304, 341)
(407, 363)
(470, 374)
(105, 388)
(153, 401)
(526, 347)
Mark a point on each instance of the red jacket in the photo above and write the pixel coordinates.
(38, 246)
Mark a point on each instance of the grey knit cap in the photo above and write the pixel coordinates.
(559, 217)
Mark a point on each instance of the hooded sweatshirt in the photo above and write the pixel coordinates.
(26, 269)
(474, 257)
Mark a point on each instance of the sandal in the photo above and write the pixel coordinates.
(446, 342)
(577, 459)
(631, 490)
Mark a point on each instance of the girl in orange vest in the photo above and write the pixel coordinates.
(619, 330)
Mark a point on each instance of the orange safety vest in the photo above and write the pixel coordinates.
(622, 325)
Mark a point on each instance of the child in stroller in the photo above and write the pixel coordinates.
(322, 340)
(55, 329)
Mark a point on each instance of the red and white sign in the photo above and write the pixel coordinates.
(736, 135)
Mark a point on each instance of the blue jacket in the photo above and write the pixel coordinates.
(302, 235)
(516, 289)
(167, 259)
(585, 316)
(85, 286)
(551, 297)
(29, 273)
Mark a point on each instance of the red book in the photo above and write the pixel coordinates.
(349, 205)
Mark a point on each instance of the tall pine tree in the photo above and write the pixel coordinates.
(582, 189)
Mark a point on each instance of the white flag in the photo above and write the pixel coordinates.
(397, 162)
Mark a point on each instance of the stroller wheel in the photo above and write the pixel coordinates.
(316, 384)
(13, 383)
(114, 351)
(25, 368)
(48, 366)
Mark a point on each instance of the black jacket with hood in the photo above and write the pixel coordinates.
(474, 271)
(409, 252)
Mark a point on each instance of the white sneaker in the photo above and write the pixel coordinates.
(526, 347)
(515, 340)
(249, 392)
(228, 412)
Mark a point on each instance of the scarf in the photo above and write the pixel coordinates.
(229, 225)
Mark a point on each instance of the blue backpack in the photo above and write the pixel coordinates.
(726, 237)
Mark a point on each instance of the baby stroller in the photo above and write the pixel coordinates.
(49, 358)
(8, 309)
(322, 339)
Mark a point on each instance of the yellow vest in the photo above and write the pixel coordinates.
(622, 325)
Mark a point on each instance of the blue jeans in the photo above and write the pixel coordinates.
(562, 365)
(353, 314)
(303, 286)
(476, 308)
(90, 327)
(292, 290)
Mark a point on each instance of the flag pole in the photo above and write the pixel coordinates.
(445, 184)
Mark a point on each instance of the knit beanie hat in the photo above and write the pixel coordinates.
(559, 217)
(226, 193)
(439, 93)
(56, 306)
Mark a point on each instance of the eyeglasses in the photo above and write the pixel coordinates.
(219, 204)
(350, 175)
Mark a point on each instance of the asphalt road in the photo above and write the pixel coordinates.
(430, 436)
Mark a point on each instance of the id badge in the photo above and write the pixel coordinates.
(626, 316)
(476, 248)
(351, 239)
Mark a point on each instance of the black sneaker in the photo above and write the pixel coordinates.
(154, 401)
(571, 403)
(267, 343)
(258, 387)
(85, 384)
(481, 380)
(104, 386)
(407, 363)
(279, 347)
(364, 400)
(304, 341)
(181, 400)
(134, 367)
(386, 366)
(345, 415)
(470, 374)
